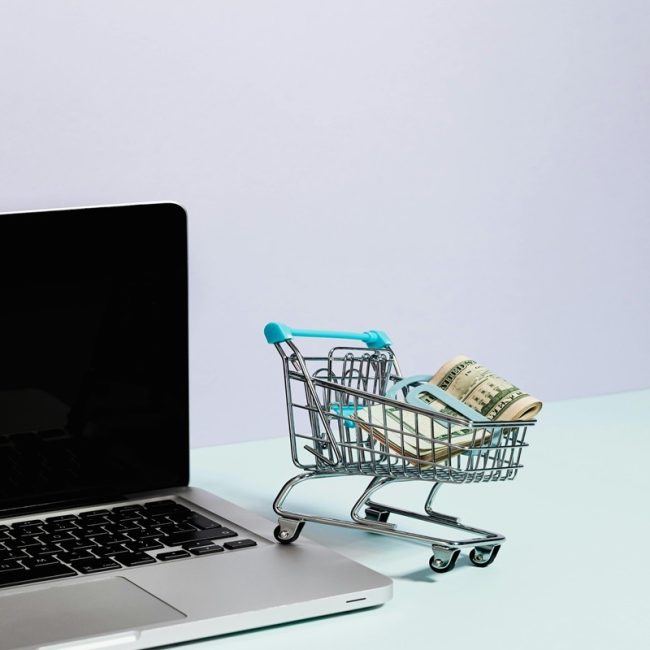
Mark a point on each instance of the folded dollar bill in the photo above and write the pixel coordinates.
(421, 439)
(493, 397)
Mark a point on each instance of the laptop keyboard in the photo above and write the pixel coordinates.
(108, 539)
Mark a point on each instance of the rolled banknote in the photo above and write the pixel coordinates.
(492, 396)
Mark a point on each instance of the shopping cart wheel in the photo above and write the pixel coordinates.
(285, 535)
(483, 556)
(375, 514)
(441, 564)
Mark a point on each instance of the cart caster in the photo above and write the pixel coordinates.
(483, 556)
(288, 531)
(374, 514)
(443, 562)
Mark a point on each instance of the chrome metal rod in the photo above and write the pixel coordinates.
(486, 537)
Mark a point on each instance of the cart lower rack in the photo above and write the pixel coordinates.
(351, 413)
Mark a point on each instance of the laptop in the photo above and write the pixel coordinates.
(103, 543)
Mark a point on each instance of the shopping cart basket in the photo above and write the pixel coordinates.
(351, 413)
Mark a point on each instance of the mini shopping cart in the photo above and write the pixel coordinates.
(351, 413)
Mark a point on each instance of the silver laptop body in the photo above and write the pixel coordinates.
(102, 542)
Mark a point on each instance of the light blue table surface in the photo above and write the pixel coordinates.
(573, 572)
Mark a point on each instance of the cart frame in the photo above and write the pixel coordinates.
(325, 396)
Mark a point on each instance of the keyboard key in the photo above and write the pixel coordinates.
(160, 507)
(57, 538)
(211, 533)
(109, 549)
(157, 520)
(113, 539)
(78, 545)
(176, 514)
(93, 521)
(116, 529)
(95, 565)
(173, 555)
(201, 542)
(21, 542)
(128, 508)
(61, 526)
(91, 531)
(174, 529)
(163, 528)
(122, 517)
(12, 554)
(201, 522)
(206, 550)
(23, 576)
(240, 543)
(27, 524)
(60, 518)
(143, 545)
(4, 535)
(77, 555)
(3, 528)
(27, 531)
(44, 549)
(144, 535)
(35, 562)
(9, 566)
(89, 514)
(135, 559)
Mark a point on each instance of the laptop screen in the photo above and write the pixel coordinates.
(93, 353)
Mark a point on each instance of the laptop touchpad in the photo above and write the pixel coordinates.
(57, 614)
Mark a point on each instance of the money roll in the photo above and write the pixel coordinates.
(479, 388)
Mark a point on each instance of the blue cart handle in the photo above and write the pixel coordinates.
(279, 333)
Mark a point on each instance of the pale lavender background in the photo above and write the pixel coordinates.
(469, 176)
